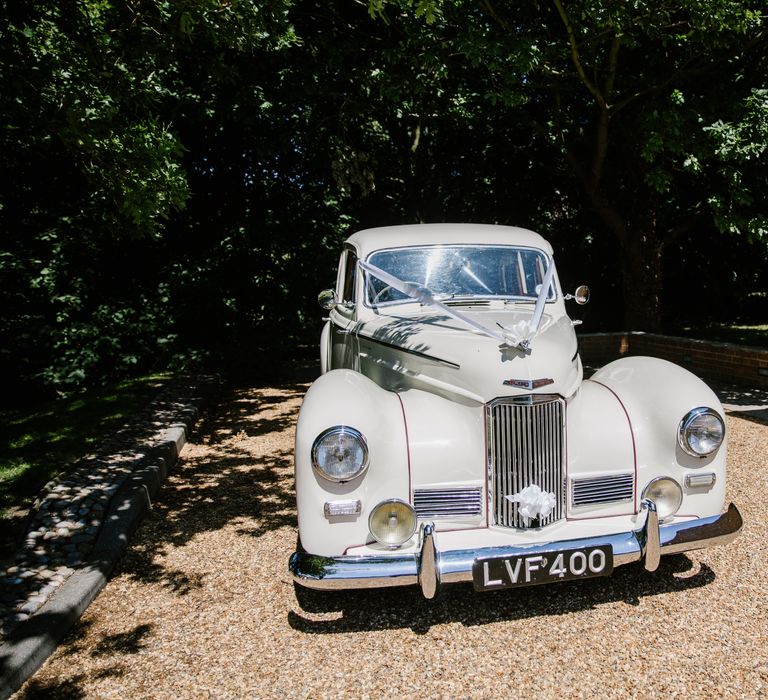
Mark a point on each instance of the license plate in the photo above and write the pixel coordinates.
(493, 573)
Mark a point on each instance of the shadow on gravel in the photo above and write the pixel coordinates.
(202, 494)
(66, 689)
(69, 689)
(110, 646)
(229, 484)
(73, 687)
(131, 642)
(397, 608)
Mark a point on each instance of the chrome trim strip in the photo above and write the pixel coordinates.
(652, 549)
(335, 573)
(448, 503)
(528, 384)
(423, 355)
(429, 572)
(610, 488)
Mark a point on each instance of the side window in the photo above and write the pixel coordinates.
(350, 275)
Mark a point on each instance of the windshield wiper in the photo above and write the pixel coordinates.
(467, 301)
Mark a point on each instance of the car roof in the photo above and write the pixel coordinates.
(372, 239)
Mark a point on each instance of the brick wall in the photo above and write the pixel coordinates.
(738, 363)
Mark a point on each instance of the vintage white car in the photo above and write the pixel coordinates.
(452, 435)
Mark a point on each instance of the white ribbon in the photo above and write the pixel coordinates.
(533, 502)
(427, 297)
(518, 336)
(538, 310)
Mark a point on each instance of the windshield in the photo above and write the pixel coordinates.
(461, 272)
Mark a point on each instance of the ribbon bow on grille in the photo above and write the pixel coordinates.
(533, 503)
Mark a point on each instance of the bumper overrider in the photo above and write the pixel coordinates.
(429, 568)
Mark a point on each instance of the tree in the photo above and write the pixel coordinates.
(659, 111)
(94, 169)
(178, 174)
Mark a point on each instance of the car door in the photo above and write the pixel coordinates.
(343, 340)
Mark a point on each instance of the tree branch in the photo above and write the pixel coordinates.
(601, 136)
(575, 55)
(486, 5)
(613, 59)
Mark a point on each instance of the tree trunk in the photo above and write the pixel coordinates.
(641, 282)
(641, 252)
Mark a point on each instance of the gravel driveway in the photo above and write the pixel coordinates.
(202, 604)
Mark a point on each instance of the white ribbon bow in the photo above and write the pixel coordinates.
(534, 503)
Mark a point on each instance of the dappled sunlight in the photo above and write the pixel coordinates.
(229, 475)
(203, 594)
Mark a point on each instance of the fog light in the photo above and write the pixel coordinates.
(392, 522)
(666, 494)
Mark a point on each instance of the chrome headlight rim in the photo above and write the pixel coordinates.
(386, 502)
(687, 422)
(664, 514)
(340, 430)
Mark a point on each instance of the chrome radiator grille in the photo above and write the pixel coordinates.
(526, 446)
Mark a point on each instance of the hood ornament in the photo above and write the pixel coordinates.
(533, 503)
(528, 383)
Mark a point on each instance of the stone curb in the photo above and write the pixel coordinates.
(33, 641)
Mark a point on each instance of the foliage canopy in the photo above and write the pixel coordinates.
(178, 175)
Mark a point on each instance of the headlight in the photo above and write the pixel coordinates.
(392, 522)
(340, 453)
(701, 432)
(666, 494)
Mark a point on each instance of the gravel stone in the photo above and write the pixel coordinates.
(202, 605)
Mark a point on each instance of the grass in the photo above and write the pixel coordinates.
(40, 442)
(754, 334)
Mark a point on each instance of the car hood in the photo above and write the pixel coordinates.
(432, 351)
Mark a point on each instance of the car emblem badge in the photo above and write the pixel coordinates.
(528, 383)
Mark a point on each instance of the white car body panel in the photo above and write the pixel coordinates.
(418, 383)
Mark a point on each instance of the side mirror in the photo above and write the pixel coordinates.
(580, 296)
(327, 299)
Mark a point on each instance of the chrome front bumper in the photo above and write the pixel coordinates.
(430, 567)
